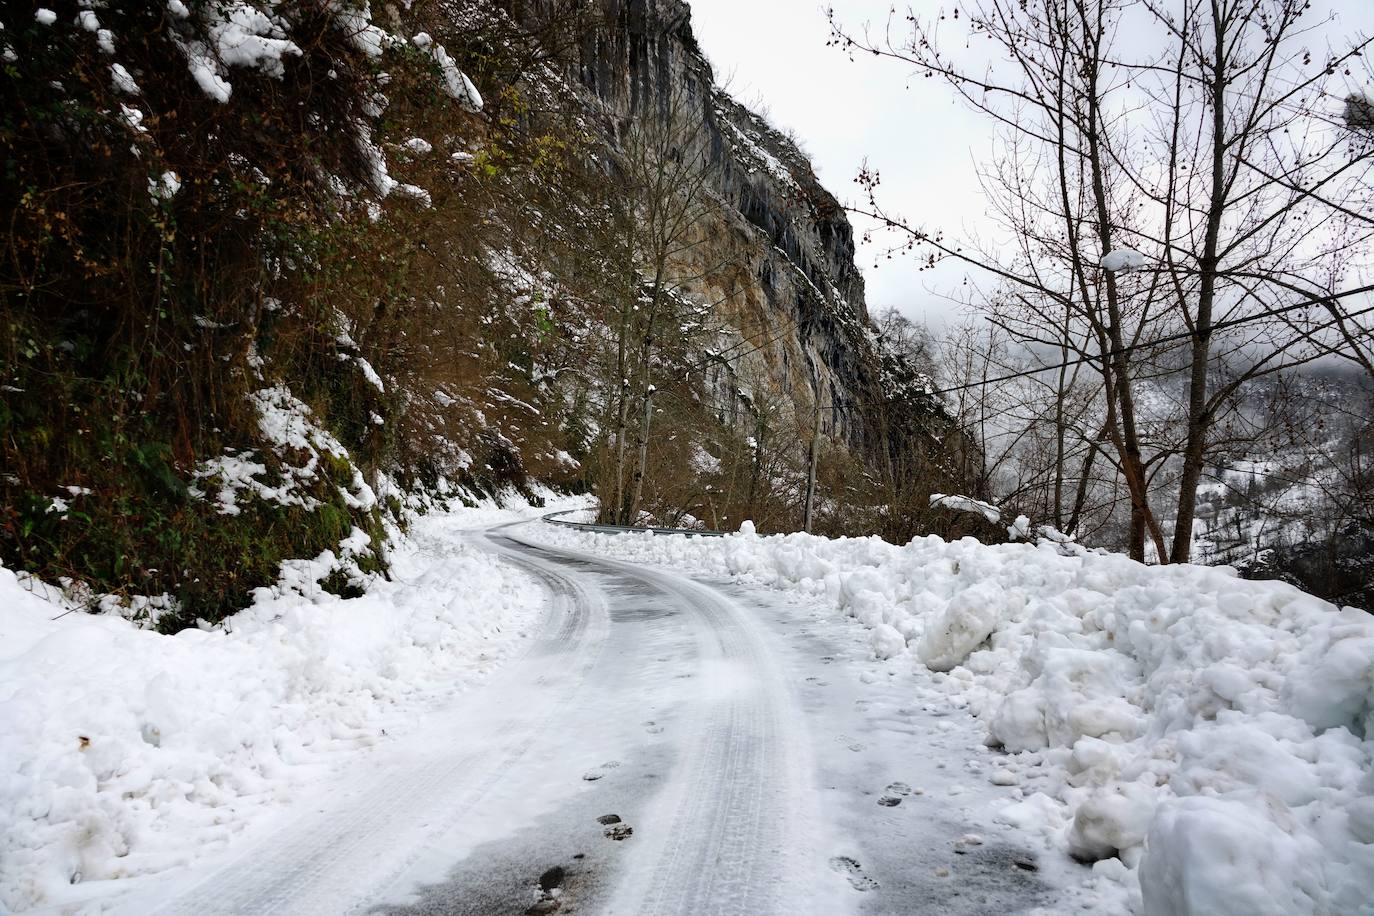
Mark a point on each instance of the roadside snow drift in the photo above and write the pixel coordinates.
(124, 752)
(1206, 740)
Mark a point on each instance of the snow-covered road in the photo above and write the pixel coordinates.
(666, 746)
(509, 723)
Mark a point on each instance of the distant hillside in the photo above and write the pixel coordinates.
(1298, 502)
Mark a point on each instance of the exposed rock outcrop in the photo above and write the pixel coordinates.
(793, 292)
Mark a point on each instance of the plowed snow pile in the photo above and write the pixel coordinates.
(124, 752)
(1205, 739)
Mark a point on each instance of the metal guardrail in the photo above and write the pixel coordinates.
(553, 519)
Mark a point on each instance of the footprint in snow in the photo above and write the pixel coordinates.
(550, 889)
(849, 742)
(600, 772)
(851, 869)
(653, 728)
(899, 788)
(889, 801)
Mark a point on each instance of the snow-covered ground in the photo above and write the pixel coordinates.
(125, 753)
(1204, 739)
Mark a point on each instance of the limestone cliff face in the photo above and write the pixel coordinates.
(792, 293)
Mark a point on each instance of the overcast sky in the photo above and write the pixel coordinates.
(773, 53)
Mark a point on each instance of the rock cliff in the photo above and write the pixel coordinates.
(792, 294)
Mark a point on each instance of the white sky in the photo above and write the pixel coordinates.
(773, 55)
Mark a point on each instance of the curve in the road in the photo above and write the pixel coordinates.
(727, 834)
(724, 830)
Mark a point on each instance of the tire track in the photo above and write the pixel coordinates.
(727, 835)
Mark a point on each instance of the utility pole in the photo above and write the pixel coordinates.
(809, 514)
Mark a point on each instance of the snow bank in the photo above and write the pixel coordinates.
(1230, 858)
(1215, 735)
(124, 752)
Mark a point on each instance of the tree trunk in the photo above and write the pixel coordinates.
(1132, 461)
(756, 466)
(1060, 430)
(808, 512)
(647, 394)
(1195, 451)
(1080, 497)
(641, 467)
(622, 384)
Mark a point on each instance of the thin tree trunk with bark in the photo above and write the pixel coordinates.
(1199, 421)
(622, 415)
(809, 511)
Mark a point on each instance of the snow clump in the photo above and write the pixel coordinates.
(1124, 260)
(165, 186)
(964, 623)
(123, 81)
(456, 82)
(240, 35)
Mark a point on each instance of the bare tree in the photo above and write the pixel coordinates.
(1220, 154)
(659, 202)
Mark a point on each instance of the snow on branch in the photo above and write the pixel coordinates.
(966, 504)
(1124, 260)
(236, 35)
(456, 82)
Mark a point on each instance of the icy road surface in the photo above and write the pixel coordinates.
(667, 746)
